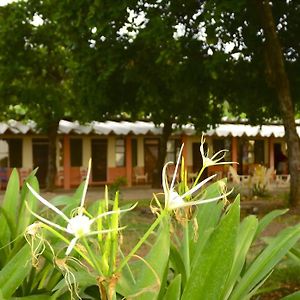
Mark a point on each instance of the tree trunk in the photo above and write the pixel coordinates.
(51, 173)
(277, 75)
(167, 131)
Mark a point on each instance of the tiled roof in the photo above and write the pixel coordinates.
(144, 128)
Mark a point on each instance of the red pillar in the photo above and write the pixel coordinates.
(67, 163)
(271, 152)
(128, 161)
(234, 151)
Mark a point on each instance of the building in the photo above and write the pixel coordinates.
(130, 149)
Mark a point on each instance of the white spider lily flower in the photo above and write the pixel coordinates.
(79, 225)
(172, 199)
(215, 159)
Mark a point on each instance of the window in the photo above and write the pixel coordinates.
(259, 152)
(76, 152)
(173, 147)
(253, 152)
(222, 144)
(4, 154)
(15, 153)
(120, 152)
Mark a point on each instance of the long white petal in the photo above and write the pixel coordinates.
(85, 187)
(165, 177)
(201, 201)
(47, 203)
(176, 167)
(45, 220)
(111, 212)
(72, 245)
(198, 186)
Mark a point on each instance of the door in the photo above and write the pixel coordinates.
(151, 150)
(280, 160)
(99, 160)
(40, 151)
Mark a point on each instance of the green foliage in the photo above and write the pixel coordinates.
(17, 276)
(193, 252)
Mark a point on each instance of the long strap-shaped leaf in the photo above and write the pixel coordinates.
(245, 238)
(266, 261)
(213, 266)
(14, 272)
(10, 204)
(151, 271)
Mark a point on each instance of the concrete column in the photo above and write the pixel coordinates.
(271, 152)
(128, 152)
(27, 161)
(140, 152)
(111, 152)
(86, 151)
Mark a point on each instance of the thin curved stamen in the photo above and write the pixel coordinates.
(218, 153)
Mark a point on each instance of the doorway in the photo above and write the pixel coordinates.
(40, 151)
(151, 150)
(280, 160)
(99, 159)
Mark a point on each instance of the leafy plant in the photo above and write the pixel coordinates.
(197, 246)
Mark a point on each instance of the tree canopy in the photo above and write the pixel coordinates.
(174, 62)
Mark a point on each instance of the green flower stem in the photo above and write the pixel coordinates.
(186, 250)
(142, 240)
(96, 264)
(60, 236)
(198, 177)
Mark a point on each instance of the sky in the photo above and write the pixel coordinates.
(4, 2)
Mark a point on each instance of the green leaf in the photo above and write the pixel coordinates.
(294, 254)
(10, 205)
(267, 219)
(177, 263)
(151, 271)
(211, 269)
(25, 217)
(207, 217)
(15, 271)
(245, 238)
(265, 262)
(174, 289)
(294, 296)
(33, 297)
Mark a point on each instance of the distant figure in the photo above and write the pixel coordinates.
(282, 165)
